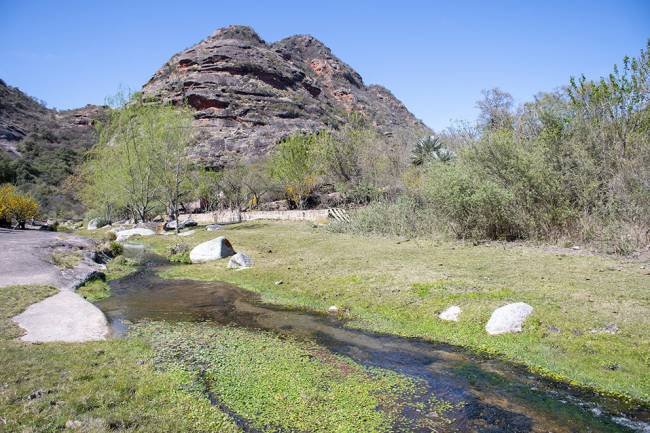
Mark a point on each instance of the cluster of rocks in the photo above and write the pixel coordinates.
(505, 319)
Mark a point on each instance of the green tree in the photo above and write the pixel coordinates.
(174, 169)
(141, 161)
(294, 165)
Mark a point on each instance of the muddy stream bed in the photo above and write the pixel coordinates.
(488, 395)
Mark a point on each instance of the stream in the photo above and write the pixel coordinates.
(489, 395)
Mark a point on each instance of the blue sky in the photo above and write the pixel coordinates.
(436, 57)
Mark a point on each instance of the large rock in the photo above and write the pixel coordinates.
(139, 231)
(240, 260)
(248, 94)
(215, 249)
(508, 318)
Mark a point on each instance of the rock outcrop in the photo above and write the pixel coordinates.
(249, 95)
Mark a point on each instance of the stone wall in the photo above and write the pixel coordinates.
(231, 216)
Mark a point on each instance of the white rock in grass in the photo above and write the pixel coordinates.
(508, 318)
(240, 260)
(451, 313)
(215, 249)
(125, 234)
(333, 309)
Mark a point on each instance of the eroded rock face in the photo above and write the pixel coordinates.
(249, 95)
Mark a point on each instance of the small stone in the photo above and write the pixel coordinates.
(333, 309)
(612, 328)
(451, 313)
(553, 330)
(279, 282)
(36, 394)
(240, 261)
(575, 247)
(213, 227)
(73, 424)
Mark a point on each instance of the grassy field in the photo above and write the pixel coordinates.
(164, 376)
(399, 286)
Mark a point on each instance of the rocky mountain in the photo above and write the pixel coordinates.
(22, 116)
(249, 94)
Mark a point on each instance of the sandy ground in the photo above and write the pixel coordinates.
(25, 259)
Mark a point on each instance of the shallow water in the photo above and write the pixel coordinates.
(489, 395)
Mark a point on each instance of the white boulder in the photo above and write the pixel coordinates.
(451, 313)
(125, 234)
(240, 260)
(214, 249)
(333, 309)
(508, 318)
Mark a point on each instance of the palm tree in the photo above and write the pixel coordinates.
(430, 149)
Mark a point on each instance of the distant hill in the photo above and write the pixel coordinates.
(40, 147)
(249, 95)
(22, 116)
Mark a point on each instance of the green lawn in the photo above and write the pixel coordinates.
(398, 287)
(163, 375)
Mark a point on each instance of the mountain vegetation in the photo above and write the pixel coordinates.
(572, 164)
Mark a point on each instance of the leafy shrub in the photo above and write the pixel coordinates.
(179, 253)
(110, 249)
(404, 217)
(472, 207)
(16, 206)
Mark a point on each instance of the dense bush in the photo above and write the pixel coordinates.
(15, 206)
(403, 217)
(572, 164)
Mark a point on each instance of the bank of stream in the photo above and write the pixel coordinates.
(486, 395)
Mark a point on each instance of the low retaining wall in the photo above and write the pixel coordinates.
(230, 217)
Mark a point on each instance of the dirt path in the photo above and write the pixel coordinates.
(26, 259)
